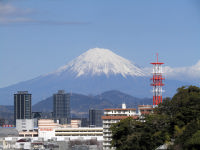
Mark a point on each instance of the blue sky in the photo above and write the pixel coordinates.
(37, 37)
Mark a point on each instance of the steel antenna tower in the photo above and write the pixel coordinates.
(157, 82)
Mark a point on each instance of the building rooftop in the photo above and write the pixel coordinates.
(8, 132)
(145, 106)
(117, 117)
(120, 109)
(22, 92)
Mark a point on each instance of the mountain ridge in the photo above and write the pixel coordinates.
(80, 104)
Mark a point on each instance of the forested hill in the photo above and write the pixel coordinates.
(80, 104)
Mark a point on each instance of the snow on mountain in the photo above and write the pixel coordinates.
(98, 61)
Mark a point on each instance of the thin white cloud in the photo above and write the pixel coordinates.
(11, 15)
(191, 73)
(8, 10)
(14, 20)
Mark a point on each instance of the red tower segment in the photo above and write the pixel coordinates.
(157, 82)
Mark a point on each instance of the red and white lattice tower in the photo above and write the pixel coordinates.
(157, 82)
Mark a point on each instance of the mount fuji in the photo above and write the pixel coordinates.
(93, 72)
(97, 61)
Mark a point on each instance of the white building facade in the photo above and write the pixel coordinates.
(113, 116)
(47, 129)
(24, 124)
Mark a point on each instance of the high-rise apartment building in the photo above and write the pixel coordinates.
(95, 117)
(61, 107)
(113, 116)
(22, 105)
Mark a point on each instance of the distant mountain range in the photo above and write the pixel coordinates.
(6, 112)
(93, 72)
(80, 104)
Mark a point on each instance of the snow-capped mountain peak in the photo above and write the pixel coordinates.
(99, 61)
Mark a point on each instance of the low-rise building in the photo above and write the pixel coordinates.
(76, 133)
(145, 109)
(47, 129)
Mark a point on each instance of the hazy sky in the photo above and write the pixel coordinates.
(39, 36)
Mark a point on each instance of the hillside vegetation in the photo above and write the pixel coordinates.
(175, 122)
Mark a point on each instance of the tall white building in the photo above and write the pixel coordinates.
(111, 116)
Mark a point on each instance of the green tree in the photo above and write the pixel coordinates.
(176, 118)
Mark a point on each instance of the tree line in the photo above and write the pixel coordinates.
(175, 122)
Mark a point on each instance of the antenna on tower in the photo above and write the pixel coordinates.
(157, 82)
(157, 56)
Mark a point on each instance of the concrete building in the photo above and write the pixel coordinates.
(47, 129)
(61, 107)
(26, 128)
(111, 116)
(95, 118)
(24, 124)
(22, 105)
